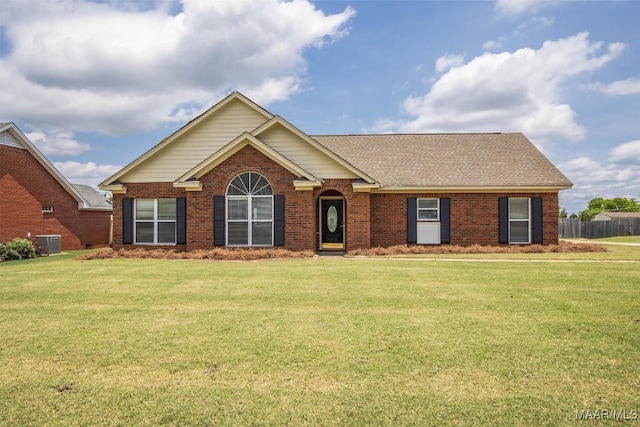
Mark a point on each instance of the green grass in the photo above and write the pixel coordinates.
(618, 239)
(324, 342)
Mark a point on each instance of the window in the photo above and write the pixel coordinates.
(155, 221)
(428, 210)
(249, 211)
(47, 209)
(519, 220)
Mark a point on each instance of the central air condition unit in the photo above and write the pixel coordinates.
(49, 244)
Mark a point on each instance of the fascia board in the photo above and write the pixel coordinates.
(279, 120)
(186, 128)
(236, 145)
(472, 189)
(28, 145)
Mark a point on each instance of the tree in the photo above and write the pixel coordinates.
(561, 212)
(617, 204)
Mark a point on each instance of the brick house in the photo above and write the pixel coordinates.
(35, 199)
(238, 175)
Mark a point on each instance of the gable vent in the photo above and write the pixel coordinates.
(6, 138)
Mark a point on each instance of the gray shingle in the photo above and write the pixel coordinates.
(447, 160)
(93, 197)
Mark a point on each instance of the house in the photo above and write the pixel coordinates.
(608, 216)
(35, 199)
(240, 176)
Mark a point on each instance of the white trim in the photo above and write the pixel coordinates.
(471, 189)
(236, 145)
(184, 129)
(250, 212)
(155, 221)
(83, 204)
(528, 220)
(335, 157)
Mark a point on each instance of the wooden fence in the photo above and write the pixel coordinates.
(574, 228)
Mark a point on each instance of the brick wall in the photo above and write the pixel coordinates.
(25, 187)
(370, 219)
(474, 217)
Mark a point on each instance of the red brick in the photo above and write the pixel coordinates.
(25, 187)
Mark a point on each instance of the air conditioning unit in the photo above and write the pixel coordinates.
(49, 244)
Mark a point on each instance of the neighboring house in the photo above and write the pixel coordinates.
(239, 176)
(35, 199)
(608, 216)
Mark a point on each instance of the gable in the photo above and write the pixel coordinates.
(303, 154)
(12, 138)
(211, 133)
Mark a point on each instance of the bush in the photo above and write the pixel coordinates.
(17, 249)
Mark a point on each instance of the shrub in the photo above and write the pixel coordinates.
(17, 249)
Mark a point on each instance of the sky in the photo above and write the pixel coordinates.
(95, 84)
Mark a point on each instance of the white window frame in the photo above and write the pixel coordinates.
(527, 220)
(251, 219)
(47, 209)
(436, 209)
(155, 221)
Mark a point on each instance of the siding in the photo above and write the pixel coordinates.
(6, 138)
(199, 143)
(303, 154)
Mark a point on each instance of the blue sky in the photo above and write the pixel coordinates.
(96, 84)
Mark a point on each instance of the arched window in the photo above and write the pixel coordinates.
(249, 211)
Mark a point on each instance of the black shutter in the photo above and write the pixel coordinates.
(218, 220)
(536, 213)
(127, 221)
(503, 220)
(412, 220)
(445, 220)
(181, 221)
(278, 220)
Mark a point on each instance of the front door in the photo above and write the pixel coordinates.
(332, 223)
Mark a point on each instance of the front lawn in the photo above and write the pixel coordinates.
(320, 341)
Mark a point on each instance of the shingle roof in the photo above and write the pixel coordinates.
(447, 160)
(93, 197)
(620, 215)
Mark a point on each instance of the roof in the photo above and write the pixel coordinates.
(93, 197)
(620, 215)
(20, 140)
(448, 160)
(388, 162)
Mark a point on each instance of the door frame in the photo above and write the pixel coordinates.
(321, 218)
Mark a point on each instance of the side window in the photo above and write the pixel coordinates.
(155, 221)
(428, 210)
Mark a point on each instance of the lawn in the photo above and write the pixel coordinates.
(320, 342)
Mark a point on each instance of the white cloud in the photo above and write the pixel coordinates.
(621, 87)
(629, 152)
(86, 173)
(518, 91)
(618, 176)
(57, 143)
(114, 68)
(448, 61)
(492, 45)
(516, 7)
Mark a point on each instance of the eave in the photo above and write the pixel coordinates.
(190, 180)
(183, 130)
(333, 156)
(117, 188)
(473, 189)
